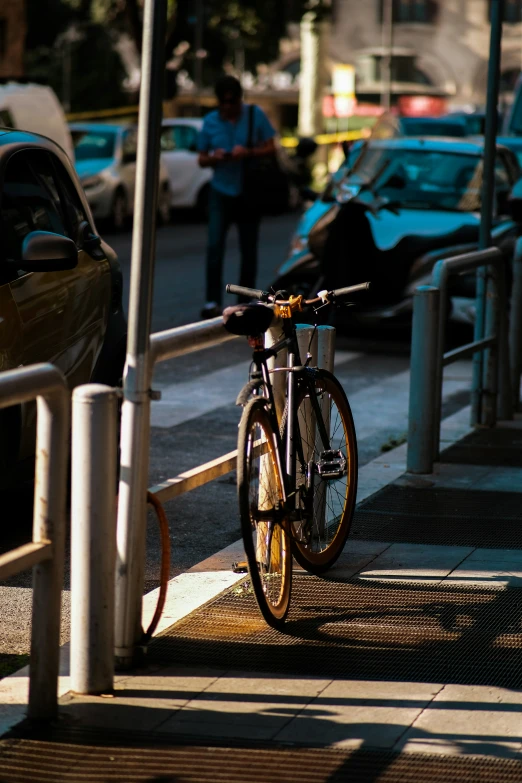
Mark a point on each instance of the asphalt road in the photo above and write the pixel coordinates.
(179, 281)
(197, 418)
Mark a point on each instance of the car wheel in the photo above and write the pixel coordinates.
(202, 202)
(120, 211)
(164, 206)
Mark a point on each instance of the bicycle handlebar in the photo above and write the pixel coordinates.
(257, 293)
(351, 289)
(253, 293)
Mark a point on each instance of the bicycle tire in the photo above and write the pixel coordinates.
(264, 527)
(324, 518)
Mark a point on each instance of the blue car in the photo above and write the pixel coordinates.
(390, 215)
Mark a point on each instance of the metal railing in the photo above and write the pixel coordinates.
(171, 344)
(45, 553)
(430, 316)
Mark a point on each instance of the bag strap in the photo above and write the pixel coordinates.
(250, 137)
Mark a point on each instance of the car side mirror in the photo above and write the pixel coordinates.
(44, 251)
(128, 157)
(193, 147)
(514, 202)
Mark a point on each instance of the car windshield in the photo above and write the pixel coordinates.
(417, 179)
(93, 144)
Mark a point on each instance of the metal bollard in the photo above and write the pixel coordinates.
(272, 336)
(490, 369)
(505, 403)
(93, 538)
(423, 436)
(515, 325)
(326, 347)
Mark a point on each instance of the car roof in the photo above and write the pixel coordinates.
(15, 136)
(100, 126)
(194, 122)
(431, 144)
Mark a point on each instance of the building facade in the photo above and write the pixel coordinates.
(12, 38)
(439, 47)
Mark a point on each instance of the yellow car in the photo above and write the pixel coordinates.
(60, 284)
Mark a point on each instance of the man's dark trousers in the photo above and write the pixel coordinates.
(223, 211)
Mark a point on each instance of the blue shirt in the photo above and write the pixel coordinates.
(218, 133)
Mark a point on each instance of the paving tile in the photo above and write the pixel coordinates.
(501, 479)
(483, 555)
(118, 713)
(177, 689)
(468, 719)
(415, 561)
(241, 685)
(353, 713)
(491, 574)
(459, 476)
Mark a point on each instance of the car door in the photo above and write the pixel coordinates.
(180, 156)
(41, 297)
(63, 313)
(89, 299)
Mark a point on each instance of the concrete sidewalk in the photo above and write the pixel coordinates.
(404, 663)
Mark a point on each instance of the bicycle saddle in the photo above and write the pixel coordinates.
(248, 319)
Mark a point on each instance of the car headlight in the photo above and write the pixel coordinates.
(92, 182)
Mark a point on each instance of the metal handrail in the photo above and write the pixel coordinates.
(186, 339)
(46, 551)
(428, 358)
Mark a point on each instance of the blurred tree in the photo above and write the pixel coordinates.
(237, 33)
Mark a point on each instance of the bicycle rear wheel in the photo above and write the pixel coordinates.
(326, 478)
(264, 527)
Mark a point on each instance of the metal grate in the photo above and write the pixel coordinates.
(495, 446)
(455, 517)
(96, 758)
(360, 630)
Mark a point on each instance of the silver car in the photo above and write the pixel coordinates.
(105, 159)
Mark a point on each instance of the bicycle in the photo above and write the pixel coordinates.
(297, 476)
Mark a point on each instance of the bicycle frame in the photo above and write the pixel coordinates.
(294, 369)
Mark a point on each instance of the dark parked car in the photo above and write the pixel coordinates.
(405, 203)
(60, 286)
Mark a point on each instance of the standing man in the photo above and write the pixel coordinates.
(223, 144)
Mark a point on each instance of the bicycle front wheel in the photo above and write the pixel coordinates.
(264, 526)
(326, 474)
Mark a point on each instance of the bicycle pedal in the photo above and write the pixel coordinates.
(240, 567)
(332, 464)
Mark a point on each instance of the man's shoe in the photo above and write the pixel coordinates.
(211, 310)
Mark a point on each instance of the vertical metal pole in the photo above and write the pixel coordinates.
(325, 361)
(272, 336)
(307, 339)
(93, 538)
(488, 192)
(198, 47)
(505, 403)
(490, 379)
(440, 280)
(387, 53)
(422, 434)
(136, 406)
(48, 525)
(515, 325)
